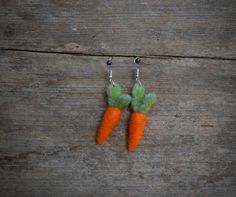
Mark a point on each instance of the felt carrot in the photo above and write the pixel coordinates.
(116, 102)
(140, 104)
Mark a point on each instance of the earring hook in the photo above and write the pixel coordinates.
(137, 61)
(109, 63)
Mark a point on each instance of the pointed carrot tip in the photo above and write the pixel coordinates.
(130, 149)
(99, 141)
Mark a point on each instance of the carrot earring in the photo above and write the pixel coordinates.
(116, 102)
(140, 104)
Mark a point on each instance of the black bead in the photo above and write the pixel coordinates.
(137, 60)
(109, 62)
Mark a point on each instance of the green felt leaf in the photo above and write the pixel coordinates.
(113, 92)
(112, 101)
(137, 96)
(124, 100)
(138, 90)
(147, 102)
(139, 102)
(116, 98)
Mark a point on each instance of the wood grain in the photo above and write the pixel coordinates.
(52, 96)
(50, 107)
(202, 28)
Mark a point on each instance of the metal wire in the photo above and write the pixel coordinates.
(137, 62)
(110, 76)
(109, 63)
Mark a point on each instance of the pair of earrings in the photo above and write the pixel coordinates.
(117, 101)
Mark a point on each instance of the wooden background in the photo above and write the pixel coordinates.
(52, 96)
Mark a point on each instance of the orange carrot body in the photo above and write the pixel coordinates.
(109, 120)
(137, 124)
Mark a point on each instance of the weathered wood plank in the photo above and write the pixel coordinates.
(50, 107)
(125, 27)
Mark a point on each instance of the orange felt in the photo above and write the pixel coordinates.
(109, 120)
(137, 124)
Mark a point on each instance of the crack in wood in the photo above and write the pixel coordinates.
(160, 56)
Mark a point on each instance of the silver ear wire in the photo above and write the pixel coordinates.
(137, 61)
(109, 63)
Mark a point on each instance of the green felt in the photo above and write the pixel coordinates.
(141, 102)
(137, 95)
(124, 100)
(116, 98)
